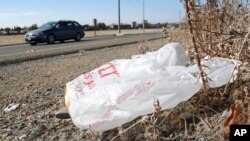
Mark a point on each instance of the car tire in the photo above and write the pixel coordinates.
(62, 41)
(33, 44)
(78, 37)
(51, 39)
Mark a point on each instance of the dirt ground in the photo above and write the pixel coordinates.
(38, 86)
(15, 39)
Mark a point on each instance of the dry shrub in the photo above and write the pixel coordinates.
(219, 28)
(214, 28)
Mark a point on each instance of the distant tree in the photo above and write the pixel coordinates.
(25, 29)
(18, 29)
(101, 26)
(33, 27)
(86, 27)
(7, 29)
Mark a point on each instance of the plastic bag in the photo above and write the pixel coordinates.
(121, 90)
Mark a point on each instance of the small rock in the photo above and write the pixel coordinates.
(21, 125)
(11, 107)
(62, 114)
(22, 136)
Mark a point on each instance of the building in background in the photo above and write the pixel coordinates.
(134, 25)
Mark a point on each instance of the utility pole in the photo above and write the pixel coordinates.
(143, 21)
(179, 16)
(95, 24)
(119, 17)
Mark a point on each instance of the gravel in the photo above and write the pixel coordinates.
(38, 86)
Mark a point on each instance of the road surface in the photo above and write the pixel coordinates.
(17, 52)
(104, 40)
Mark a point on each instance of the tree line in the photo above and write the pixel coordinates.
(17, 29)
(99, 26)
(25, 29)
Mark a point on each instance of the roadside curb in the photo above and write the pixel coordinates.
(11, 45)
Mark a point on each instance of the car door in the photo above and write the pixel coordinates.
(61, 31)
(71, 30)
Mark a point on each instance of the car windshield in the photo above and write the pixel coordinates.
(48, 25)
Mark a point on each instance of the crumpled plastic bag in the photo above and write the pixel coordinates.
(121, 90)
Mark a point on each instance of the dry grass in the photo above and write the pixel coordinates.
(216, 28)
(46, 86)
(212, 29)
(15, 39)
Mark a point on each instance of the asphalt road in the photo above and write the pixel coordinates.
(26, 51)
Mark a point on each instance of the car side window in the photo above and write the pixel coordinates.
(70, 24)
(76, 24)
(61, 25)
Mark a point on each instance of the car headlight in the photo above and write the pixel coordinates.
(27, 34)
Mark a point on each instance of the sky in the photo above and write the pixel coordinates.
(27, 12)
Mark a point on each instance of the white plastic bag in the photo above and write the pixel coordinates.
(121, 90)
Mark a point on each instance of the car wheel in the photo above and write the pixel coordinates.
(78, 37)
(62, 41)
(33, 44)
(51, 39)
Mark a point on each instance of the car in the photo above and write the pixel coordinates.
(55, 31)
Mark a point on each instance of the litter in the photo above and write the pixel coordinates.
(121, 90)
(11, 107)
